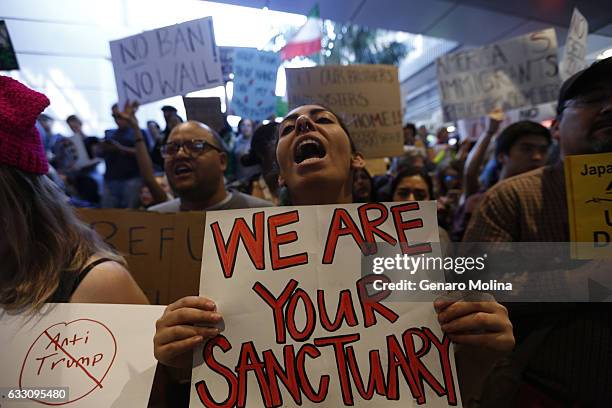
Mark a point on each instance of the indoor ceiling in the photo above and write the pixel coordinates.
(473, 22)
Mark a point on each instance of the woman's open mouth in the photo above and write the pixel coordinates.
(308, 149)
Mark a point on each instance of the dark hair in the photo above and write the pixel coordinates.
(371, 198)
(410, 173)
(241, 122)
(168, 108)
(456, 165)
(411, 126)
(72, 118)
(262, 137)
(510, 135)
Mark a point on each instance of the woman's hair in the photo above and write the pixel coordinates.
(410, 173)
(42, 237)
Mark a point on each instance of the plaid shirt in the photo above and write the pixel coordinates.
(573, 362)
(530, 207)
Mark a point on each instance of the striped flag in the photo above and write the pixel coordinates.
(308, 39)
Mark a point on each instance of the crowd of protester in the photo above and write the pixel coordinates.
(507, 186)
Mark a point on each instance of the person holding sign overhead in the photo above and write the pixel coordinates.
(47, 254)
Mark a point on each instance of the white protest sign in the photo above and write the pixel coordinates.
(473, 128)
(367, 97)
(512, 74)
(71, 154)
(302, 326)
(574, 51)
(254, 83)
(166, 62)
(101, 354)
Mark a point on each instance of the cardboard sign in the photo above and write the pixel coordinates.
(574, 52)
(254, 83)
(301, 327)
(512, 74)
(163, 251)
(165, 62)
(588, 180)
(205, 110)
(100, 355)
(367, 97)
(8, 59)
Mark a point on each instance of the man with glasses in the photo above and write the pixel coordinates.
(568, 362)
(195, 158)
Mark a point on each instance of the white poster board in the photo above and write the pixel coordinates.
(301, 326)
(166, 62)
(511, 74)
(574, 51)
(101, 354)
(473, 128)
(254, 83)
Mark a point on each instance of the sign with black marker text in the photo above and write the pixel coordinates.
(166, 62)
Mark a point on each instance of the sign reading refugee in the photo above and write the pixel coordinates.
(163, 251)
(302, 325)
(574, 51)
(166, 62)
(367, 97)
(78, 355)
(512, 74)
(254, 83)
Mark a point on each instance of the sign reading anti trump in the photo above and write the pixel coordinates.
(367, 97)
(254, 83)
(512, 74)
(303, 326)
(78, 355)
(166, 62)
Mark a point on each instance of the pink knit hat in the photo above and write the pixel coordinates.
(20, 144)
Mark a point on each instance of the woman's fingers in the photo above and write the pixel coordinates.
(197, 302)
(170, 351)
(496, 341)
(187, 315)
(477, 322)
(462, 308)
(182, 332)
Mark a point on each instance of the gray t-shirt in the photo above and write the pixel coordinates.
(234, 201)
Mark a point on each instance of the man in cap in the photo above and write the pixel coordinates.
(564, 347)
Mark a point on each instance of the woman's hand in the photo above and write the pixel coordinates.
(478, 323)
(176, 334)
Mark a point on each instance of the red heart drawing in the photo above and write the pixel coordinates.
(80, 353)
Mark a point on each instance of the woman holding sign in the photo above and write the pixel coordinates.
(47, 254)
(317, 158)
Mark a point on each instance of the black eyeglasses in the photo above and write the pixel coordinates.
(191, 147)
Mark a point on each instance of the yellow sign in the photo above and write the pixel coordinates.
(589, 201)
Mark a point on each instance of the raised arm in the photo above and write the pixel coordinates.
(476, 157)
(145, 165)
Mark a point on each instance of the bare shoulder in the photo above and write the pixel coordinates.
(109, 282)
